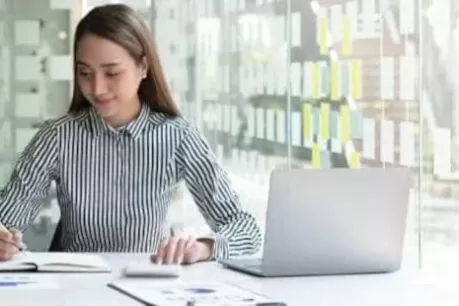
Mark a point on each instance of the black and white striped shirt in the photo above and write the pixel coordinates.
(114, 187)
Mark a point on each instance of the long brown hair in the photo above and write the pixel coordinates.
(122, 25)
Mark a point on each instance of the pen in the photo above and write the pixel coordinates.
(22, 247)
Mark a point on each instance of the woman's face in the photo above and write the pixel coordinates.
(108, 77)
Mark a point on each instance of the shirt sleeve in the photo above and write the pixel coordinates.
(235, 231)
(24, 194)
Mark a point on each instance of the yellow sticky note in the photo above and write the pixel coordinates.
(307, 121)
(315, 156)
(356, 79)
(325, 121)
(335, 72)
(316, 80)
(323, 35)
(345, 124)
(346, 44)
(354, 161)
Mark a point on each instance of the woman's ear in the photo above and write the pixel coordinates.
(144, 66)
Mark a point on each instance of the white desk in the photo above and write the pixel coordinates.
(401, 288)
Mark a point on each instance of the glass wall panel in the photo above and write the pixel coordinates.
(438, 48)
(287, 83)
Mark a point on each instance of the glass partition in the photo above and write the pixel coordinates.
(286, 83)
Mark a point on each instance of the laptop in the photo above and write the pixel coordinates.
(332, 221)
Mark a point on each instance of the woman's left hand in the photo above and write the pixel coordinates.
(177, 250)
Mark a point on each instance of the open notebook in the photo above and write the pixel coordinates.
(55, 262)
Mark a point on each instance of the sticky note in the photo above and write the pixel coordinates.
(270, 75)
(61, 4)
(407, 77)
(325, 80)
(28, 68)
(250, 121)
(407, 16)
(307, 80)
(296, 129)
(61, 67)
(356, 79)
(323, 35)
(336, 146)
(442, 151)
(315, 155)
(220, 153)
(211, 116)
(354, 160)
(234, 35)
(28, 105)
(352, 11)
(270, 128)
(344, 124)
(280, 79)
(387, 78)
(259, 79)
(346, 43)
(252, 78)
(295, 79)
(242, 5)
(369, 130)
(296, 29)
(235, 156)
(280, 120)
(407, 143)
(307, 121)
(334, 123)
(260, 116)
(27, 32)
(234, 121)
(226, 117)
(336, 21)
(324, 159)
(315, 120)
(324, 121)
(316, 80)
(356, 124)
(387, 141)
(345, 76)
(335, 80)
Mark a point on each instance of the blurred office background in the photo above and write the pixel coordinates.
(272, 83)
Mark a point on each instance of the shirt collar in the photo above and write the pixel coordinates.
(134, 128)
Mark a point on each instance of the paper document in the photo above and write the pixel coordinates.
(10, 282)
(179, 293)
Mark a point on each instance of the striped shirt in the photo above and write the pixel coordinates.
(115, 186)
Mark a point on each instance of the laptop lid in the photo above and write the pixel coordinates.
(335, 221)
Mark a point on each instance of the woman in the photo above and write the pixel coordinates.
(119, 153)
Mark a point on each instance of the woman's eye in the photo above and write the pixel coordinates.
(84, 74)
(112, 74)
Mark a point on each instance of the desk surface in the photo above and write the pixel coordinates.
(406, 287)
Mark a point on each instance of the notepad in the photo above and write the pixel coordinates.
(55, 262)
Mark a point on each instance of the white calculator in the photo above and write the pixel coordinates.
(145, 269)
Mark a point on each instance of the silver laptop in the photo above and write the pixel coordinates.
(332, 221)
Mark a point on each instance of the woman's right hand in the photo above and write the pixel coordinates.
(10, 243)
